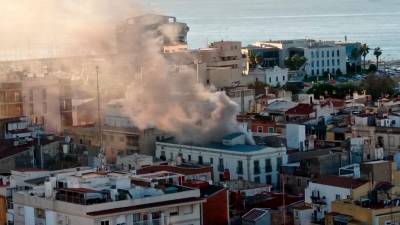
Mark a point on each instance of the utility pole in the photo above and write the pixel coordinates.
(98, 109)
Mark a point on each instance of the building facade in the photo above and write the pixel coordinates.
(255, 163)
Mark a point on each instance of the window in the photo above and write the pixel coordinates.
(317, 54)
(188, 209)
(171, 156)
(189, 158)
(239, 169)
(211, 161)
(174, 212)
(338, 62)
(283, 78)
(44, 107)
(327, 53)
(256, 167)
(105, 222)
(333, 53)
(276, 79)
(322, 54)
(268, 179)
(257, 179)
(333, 62)
(162, 156)
(44, 94)
(270, 80)
(337, 53)
(268, 166)
(312, 64)
(338, 197)
(312, 72)
(221, 165)
(200, 159)
(278, 163)
(298, 182)
(122, 139)
(327, 63)
(260, 129)
(323, 63)
(136, 218)
(271, 130)
(317, 63)
(312, 54)
(31, 95)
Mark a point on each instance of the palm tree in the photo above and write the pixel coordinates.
(364, 51)
(355, 55)
(377, 54)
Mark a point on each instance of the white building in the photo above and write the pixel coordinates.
(272, 76)
(322, 56)
(321, 193)
(257, 163)
(133, 162)
(296, 136)
(90, 197)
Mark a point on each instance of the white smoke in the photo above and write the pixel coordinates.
(168, 100)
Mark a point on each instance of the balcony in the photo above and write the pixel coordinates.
(158, 221)
(318, 200)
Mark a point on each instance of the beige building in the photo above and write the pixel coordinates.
(10, 99)
(90, 197)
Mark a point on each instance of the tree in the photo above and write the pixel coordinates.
(378, 86)
(252, 60)
(377, 54)
(364, 51)
(355, 54)
(295, 62)
(259, 59)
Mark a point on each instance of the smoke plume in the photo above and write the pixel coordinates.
(155, 95)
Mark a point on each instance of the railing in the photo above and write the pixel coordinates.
(318, 200)
(159, 221)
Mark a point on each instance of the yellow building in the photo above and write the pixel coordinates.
(347, 212)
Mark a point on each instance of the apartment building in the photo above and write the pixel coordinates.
(320, 194)
(47, 100)
(230, 159)
(10, 100)
(90, 197)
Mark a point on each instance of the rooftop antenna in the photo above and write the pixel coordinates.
(100, 133)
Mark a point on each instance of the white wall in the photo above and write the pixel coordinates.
(295, 136)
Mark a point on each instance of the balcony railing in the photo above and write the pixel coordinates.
(318, 200)
(159, 221)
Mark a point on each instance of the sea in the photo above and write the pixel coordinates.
(375, 22)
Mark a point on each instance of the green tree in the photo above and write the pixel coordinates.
(364, 51)
(378, 86)
(252, 60)
(295, 62)
(377, 54)
(259, 59)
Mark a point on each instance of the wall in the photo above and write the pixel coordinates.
(215, 210)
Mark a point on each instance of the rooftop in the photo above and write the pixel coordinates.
(343, 182)
(254, 214)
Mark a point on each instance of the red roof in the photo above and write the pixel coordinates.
(343, 182)
(176, 169)
(337, 103)
(276, 201)
(301, 109)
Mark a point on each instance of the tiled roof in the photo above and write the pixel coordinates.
(254, 214)
(301, 109)
(343, 182)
